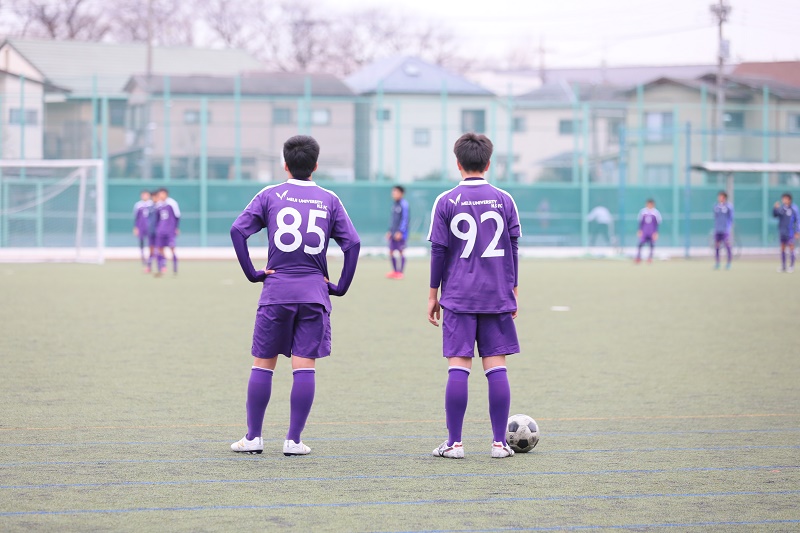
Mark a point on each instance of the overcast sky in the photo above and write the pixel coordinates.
(623, 32)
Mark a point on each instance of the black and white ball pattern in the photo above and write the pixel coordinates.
(522, 433)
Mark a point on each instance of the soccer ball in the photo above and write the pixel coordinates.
(522, 433)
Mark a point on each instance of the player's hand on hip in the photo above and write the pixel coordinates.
(434, 311)
(655, 236)
(388, 235)
(136, 231)
(398, 236)
(261, 275)
(515, 312)
(177, 232)
(333, 290)
(639, 233)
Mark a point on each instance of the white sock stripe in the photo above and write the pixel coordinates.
(462, 368)
(263, 369)
(495, 369)
(300, 370)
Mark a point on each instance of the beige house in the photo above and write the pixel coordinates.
(22, 90)
(411, 112)
(239, 123)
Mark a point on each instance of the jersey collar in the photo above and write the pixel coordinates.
(473, 181)
(302, 183)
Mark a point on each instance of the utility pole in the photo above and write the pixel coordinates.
(542, 53)
(721, 11)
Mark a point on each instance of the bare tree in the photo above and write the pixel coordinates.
(64, 19)
(173, 22)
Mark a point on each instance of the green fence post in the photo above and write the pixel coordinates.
(2, 185)
(166, 165)
(623, 176)
(703, 124)
(687, 193)
(765, 159)
(398, 132)
(104, 154)
(510, 132)
(22, 121)
(378, 117)
(95, 116)
(443, 99)
(585, 177)
(204, 172)
(307, 98)
(39, 215)
(676, 172)
(237, 127)
(493, 129)
(576, 148)
(640, 129)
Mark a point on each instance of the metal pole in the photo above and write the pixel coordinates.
(81, 214)
(585, 176)
(39, 215)
(721, 12)
(703, 125)
(443, 99)
(765, 210)
(687, 194)
(22, 119)
(623, 173)
(237, 127)
(640, 133)
(147, 171)
(576, 146)
(95, 118)
(104, 157)
(510, 132)
(307, 98)
(166, 165)
(398, 132)
(676, 170)
(379, 123)
(204, 172)
(493, 130)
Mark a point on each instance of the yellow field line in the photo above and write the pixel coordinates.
(373, 422)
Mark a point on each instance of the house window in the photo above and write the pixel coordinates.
(615, 126)
(794, 122)
(658, 127)
(192, 116)
(734, 120)
(383, 115)
(116, 113)
(657, 174)
(281, 115)
(320, 117)
(473, 120)
(422, 137)
(518, 124)
(29, 117)
(567, 126)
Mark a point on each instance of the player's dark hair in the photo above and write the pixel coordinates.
(164, 190)
(145, 191)
(301, 153)
(723, 194)
(650, 201)
(400, 188)
(787, 195)
(473, 152)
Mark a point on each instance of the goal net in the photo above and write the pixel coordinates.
(52, 210)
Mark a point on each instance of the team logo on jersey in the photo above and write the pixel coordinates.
(457, 200)
(282, 195)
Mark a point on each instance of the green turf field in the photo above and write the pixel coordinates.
(667, 396)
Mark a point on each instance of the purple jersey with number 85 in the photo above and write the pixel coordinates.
(476, 222)
(300, 218)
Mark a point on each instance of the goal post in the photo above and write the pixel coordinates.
(52, 210)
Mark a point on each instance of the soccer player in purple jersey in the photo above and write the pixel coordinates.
(723, 222)
(649, 220)
(788, 228)
(474, 232)
(398, 232)
(293, 316)
(167, 229)
(141, 221)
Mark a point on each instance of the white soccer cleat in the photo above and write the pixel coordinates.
(291, 447)
(790, 270)
(456, 451)
(501, 450)
(248, 446)
(781, 270)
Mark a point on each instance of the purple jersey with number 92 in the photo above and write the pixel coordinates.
(300, 218)
(476, 222)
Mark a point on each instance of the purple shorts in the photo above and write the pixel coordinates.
(495, 334)
(646, 238)
(787, 239)
(396, 245)
(721, 236)
(165, 241)
(303, 330)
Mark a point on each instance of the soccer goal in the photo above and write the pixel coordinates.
(52, 210)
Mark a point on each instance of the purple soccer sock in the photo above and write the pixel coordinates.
(716, 254)
(456, 396)
(301, 399)
(652, 248)
(729, 251)
(639, 252)
(499, 401)
(783, 259)
(394, 263)
(259, 389)
(174, 262)
(791, 257)
(402, 263)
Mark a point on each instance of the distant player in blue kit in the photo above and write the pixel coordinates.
(723, 223)
(649, 220)
(398, 232)
(788, 228)
(293, 317)
(141, 223)
(167, 230)
(474, 232)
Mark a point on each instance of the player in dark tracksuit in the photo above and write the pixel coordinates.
(142, 211)
(788, 228)
(398, 232)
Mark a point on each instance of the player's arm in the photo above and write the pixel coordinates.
(438, 252)
(346, 236)
(403, 229)
(249, 222)
(348, 271)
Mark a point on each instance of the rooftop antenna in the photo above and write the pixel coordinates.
(721, 12)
